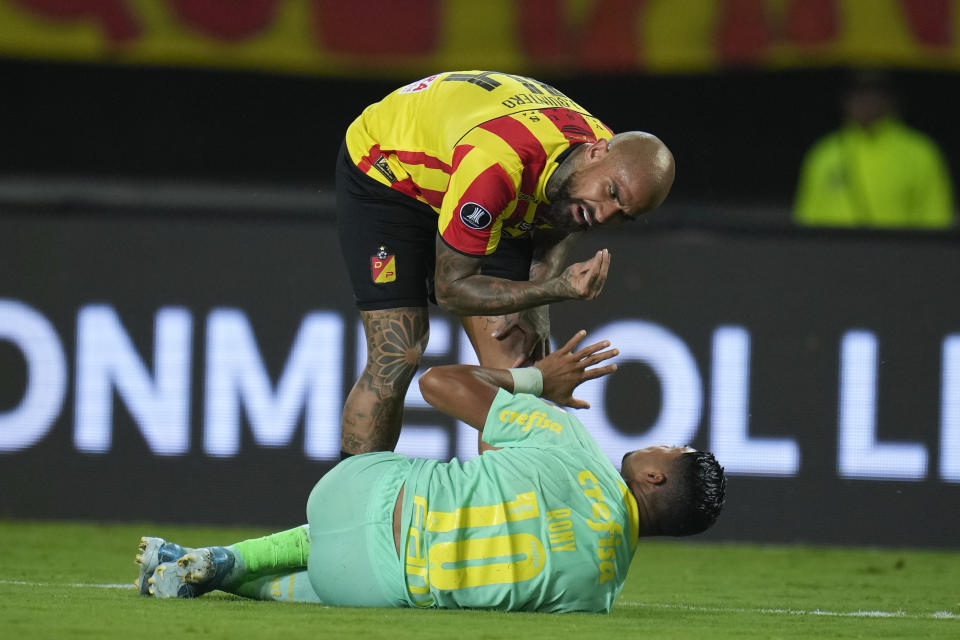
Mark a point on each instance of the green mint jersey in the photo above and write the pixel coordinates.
(544, 524)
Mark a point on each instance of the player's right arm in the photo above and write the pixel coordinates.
(462, 290)
(528, 331)
(466, 392)
(482, 195)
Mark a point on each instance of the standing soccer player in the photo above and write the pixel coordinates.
(468, 188)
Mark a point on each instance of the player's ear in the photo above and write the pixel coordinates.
(597, 150)
(654, 477)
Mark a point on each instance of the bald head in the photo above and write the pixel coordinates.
(610, 181)
(648, 164)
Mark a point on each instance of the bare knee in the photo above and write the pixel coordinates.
(498, 354)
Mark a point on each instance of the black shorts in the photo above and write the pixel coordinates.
(388, 236)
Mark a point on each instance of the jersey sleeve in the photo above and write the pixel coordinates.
(481, 194)
(523, 420)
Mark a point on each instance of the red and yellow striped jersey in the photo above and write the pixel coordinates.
(477, 146)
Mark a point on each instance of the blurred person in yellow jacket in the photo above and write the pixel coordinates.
(875, 171)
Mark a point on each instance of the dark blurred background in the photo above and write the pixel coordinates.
(110, 90)
(738, 135)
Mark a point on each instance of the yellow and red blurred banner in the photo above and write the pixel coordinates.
(408, 37)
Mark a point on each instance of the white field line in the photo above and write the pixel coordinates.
(77, 585)
(937, 615)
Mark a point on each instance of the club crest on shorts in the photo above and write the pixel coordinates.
(475, 216)
(383, 267)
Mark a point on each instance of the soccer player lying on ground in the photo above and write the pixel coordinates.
(540, 522)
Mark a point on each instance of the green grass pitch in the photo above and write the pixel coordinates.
(75, 580)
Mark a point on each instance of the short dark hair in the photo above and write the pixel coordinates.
(693, 504)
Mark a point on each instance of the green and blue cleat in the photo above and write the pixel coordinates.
(193, 574)
(152, 553)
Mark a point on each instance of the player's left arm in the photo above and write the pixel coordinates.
(466, 392)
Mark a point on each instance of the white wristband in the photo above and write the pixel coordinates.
(527, 380)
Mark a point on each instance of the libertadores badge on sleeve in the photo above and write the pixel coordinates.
(383, 267)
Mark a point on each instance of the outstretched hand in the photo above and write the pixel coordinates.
(564, 370)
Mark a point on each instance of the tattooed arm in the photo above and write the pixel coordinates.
(461, 288)
(550, 251)
(528, 331)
